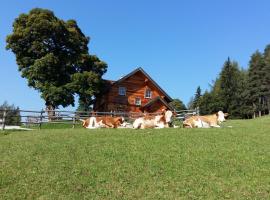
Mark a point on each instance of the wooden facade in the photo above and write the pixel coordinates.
(135, 92)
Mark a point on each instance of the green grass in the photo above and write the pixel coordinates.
(226, 163)
(53, 126)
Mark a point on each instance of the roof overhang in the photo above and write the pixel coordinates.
(158, 99)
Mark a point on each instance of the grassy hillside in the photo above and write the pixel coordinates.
(226, 163)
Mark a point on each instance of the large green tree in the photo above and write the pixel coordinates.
(230, 87)
(177, 104)
(198, 94)
(266, 79)
(255, 82)
(12, 114)
(245, 107)
(226, 93)
(87, 83)
(206, 103)
(52, 54)
(210, 102)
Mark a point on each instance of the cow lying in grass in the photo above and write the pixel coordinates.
(103, 122)
(159, 121)
(206, 121)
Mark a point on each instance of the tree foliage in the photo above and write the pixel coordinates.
(256, 66)
(266, 80)
(259, 82)
(87, 83)
(177, 104)
(12, 114)
(241, 93)
(230, 87)
(190, 103)
(227, 92)
(52, 54)
(197, 97)
(245, 108)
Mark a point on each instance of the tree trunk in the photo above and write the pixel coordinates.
(259, 107)
(51, 112)
(264, 106)
(268, 105)
(254, 112)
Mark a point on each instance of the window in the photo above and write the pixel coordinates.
(138, 101)
(148, 93)
(122, 91)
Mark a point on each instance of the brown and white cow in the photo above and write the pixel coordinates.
(103, 122)
(159, 121)
(205, 121)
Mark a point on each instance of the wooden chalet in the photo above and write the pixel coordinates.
(135, 92)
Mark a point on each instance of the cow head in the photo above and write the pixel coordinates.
(119, 121)
(221, 116)
(168, 116)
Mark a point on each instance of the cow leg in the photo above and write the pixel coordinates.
(215, 126)
(92, 123)
(160, 125)
(138, 123)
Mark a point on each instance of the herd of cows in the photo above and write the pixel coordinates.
(163, 120)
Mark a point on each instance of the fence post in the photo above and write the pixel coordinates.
(74, 120)
(4, 119)
(40, 118)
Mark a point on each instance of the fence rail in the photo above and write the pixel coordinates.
(29, 117)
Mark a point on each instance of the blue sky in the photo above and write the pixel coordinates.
(181, 43)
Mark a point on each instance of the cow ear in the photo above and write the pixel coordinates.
(217, 114)
(226, 114)
(119, 119)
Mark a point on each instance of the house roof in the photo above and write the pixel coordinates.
(149, 78)
(158, 99)
(109, 81)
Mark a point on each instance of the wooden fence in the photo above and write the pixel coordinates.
(29, 117)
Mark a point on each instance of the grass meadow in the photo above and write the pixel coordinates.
(225, 163)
